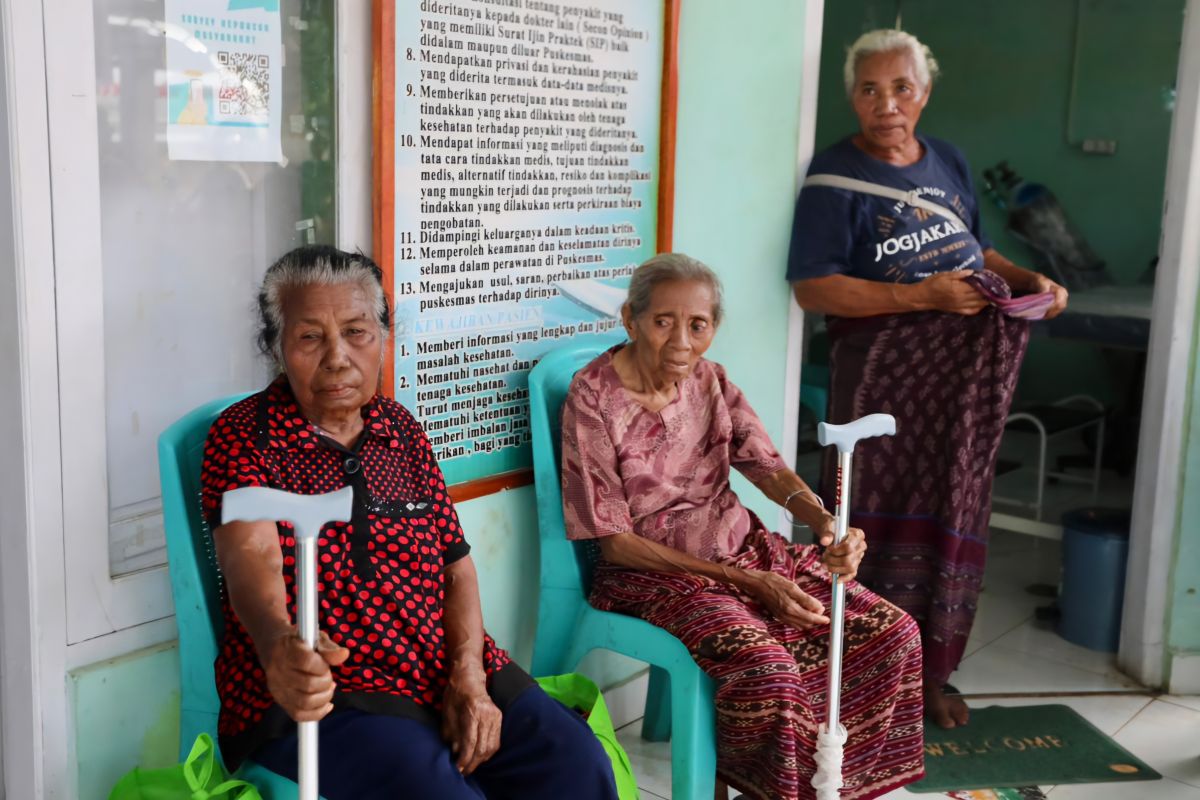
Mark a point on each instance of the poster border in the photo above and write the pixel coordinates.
(383, 200)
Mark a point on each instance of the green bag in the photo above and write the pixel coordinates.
(578, 692)
(200, 777)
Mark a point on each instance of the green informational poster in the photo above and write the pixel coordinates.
(525, 193)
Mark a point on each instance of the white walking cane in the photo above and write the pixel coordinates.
(307, 513)
(832, 736)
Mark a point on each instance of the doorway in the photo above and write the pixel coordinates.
(1041, 102)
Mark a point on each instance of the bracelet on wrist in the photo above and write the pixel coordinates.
(815, 496)
(789, 499)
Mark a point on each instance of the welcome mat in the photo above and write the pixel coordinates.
(1024, 746)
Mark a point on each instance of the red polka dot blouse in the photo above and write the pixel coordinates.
(380, 576)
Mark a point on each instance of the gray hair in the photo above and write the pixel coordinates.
(889, 40)
(667, 268)
(314, 265)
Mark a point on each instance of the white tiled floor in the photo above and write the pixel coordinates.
(651, 762)
(1008, 651)
(1192, 702)
(1008, 654)
(1164, 732)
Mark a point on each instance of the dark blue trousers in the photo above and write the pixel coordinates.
(547, 752)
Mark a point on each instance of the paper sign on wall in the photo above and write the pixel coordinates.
(224, 80)
(526, 189)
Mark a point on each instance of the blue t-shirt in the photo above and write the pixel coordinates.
(844, 232)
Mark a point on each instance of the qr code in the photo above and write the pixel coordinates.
(245, 85)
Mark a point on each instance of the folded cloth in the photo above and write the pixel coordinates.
(997, 292)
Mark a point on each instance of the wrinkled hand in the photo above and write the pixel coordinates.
(470, 722)
(950, 292)
(842, 559)
(299, 678)
(1044, 284)
(784, 599)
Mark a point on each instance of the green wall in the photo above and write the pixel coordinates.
(736, 153)
(735, 190)
(1003, 95)
(126, 714)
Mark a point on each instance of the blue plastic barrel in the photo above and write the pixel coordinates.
(1095, 548)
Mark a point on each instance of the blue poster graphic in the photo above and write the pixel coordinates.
(224, 80)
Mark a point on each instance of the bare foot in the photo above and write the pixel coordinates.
(947, 711)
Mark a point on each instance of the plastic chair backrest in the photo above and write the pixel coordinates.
(565, 564)
(195, 579)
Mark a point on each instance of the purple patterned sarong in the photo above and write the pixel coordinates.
(923, 496)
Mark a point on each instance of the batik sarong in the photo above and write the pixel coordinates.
(923, 496)
(772, 678)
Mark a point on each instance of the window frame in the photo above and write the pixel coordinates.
(137, 605)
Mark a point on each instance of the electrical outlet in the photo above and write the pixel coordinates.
(1104, 147)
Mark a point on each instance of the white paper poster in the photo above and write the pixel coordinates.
(224, 80)
(526, 193)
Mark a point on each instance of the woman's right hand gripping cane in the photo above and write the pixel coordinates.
(300, 678)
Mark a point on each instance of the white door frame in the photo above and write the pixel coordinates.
(99, 605)
(12, 438)
(355, 122)
(31, 572)
(1162, 443)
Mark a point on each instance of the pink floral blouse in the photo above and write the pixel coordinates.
(665, 475)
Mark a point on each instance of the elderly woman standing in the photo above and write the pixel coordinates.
(911, 336)
(650, 432)
(414, 698)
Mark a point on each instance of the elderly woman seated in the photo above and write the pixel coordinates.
(414, 698)
(650, 431)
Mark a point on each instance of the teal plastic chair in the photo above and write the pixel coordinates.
(679, 704)
(195, 586)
